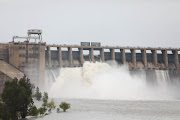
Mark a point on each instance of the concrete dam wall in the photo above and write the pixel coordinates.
(135, 58)
(33, 58)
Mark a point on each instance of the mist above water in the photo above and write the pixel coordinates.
(111, 81)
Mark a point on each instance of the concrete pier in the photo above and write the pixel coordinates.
(81, 56)
(123, 55)
(112, 54)
(144, 57)
(49, 56)
(102, 54)
(70, 56)
(165, 58)
(154, 54)
(92, 54)
(176, 58)
(41, 66)
(59, 56)
(133, 59)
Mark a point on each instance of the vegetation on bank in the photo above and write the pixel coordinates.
(16, 98)
(17, 102)
(37, 94)
(64, 106)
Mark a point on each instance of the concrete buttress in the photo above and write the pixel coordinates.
(70, 56)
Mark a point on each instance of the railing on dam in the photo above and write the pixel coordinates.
(135, 57)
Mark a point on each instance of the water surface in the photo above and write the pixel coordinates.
(88, 109)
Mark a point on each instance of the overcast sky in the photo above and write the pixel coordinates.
(154, 23)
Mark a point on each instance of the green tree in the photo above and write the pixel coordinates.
(37, 94)
(45, 97)
(64, 106)
(34, 111)
(51, 105)
(17, 96)
(41, 111)
(0, 98)
(45, 101)
(4, 112)
(26, 96)
(58, 110)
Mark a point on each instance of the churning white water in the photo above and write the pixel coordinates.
(109, 81)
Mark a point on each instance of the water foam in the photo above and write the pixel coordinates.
(104, 81)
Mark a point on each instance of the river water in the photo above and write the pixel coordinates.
(101, 91)
(86, 109)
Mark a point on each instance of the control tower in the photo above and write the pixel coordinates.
(28, 55)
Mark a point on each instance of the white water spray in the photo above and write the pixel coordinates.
(104, 81)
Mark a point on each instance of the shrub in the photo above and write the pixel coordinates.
(34, 111)
(58, 110)
(64, 106)
(51, 105)
(45, 97)
(38, 95)
(41, 111)
(45, 101)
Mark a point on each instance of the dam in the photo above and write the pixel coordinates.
(31, 57)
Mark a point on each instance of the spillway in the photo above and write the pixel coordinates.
(110, 81)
